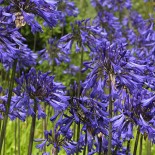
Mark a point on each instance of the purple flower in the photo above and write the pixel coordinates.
(15, 111)
(67, 8)
(147, 102)
(145, 127)
(41, 146)
(26, 11)
(84, 35)
(115, 5)
(53, 54)
(40, 87)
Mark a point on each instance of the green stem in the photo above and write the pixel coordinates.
(18, 136)
(7, 107)
(128, 147)
(148, 147)
(44, 124)
(74, 136)
(110, 116)
(141, 145)
(4, 146)
(15, 136)
(136, 141)
(78, 135)
(32, 129)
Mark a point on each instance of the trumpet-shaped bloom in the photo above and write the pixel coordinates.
(36, 87)
(24, 12)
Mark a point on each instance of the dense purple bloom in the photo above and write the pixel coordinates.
(9, 51)
(93, 117)
(26, 11)
(37, 87)
(84, 35)
(123, 125)
(12, 44)
(114, 62)
(111, 24)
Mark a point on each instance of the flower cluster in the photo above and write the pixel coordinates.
(37, 87)
(24, 12)
(84, 35)
(53, 54)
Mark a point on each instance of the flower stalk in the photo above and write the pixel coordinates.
(18, 136)
(44, 124)
(15, 136)
(148, 147)
(7, 107)
(32, 130)
(141, 145)
(128, 147)
(136, 141)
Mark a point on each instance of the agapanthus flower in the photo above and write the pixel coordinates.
(25, 12)
(92, 113)
(112, 25)
(118, 77)
(67, 8)
(93, 117)
(12, 44)
(84, 35)
(107, 18)
(12, 48)
(53, 54)
(8, 45)
(57, 141)
(123, 125)
(114, 62)
(36, 87)
(136, 110)
(115, 5)
(15, 110)
(147, 128)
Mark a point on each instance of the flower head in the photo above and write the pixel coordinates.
(25, 12)
(40, 87)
